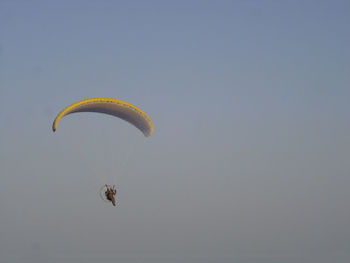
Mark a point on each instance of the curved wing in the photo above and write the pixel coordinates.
(118, 108)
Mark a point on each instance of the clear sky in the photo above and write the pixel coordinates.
(249, 161)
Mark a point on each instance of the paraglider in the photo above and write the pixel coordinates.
(114, 107)
(110, 193)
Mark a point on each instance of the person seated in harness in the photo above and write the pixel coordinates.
(110, 193)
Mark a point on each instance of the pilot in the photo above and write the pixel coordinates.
(110, 193)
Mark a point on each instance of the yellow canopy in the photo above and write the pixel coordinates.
(118, 108)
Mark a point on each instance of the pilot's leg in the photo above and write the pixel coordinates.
(113, 200)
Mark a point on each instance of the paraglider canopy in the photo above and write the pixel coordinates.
(114, 107)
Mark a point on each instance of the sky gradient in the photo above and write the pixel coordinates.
(249, 160)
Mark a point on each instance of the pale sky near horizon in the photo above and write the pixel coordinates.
(249, 161)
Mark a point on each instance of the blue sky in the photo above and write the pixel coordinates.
(249, 158)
